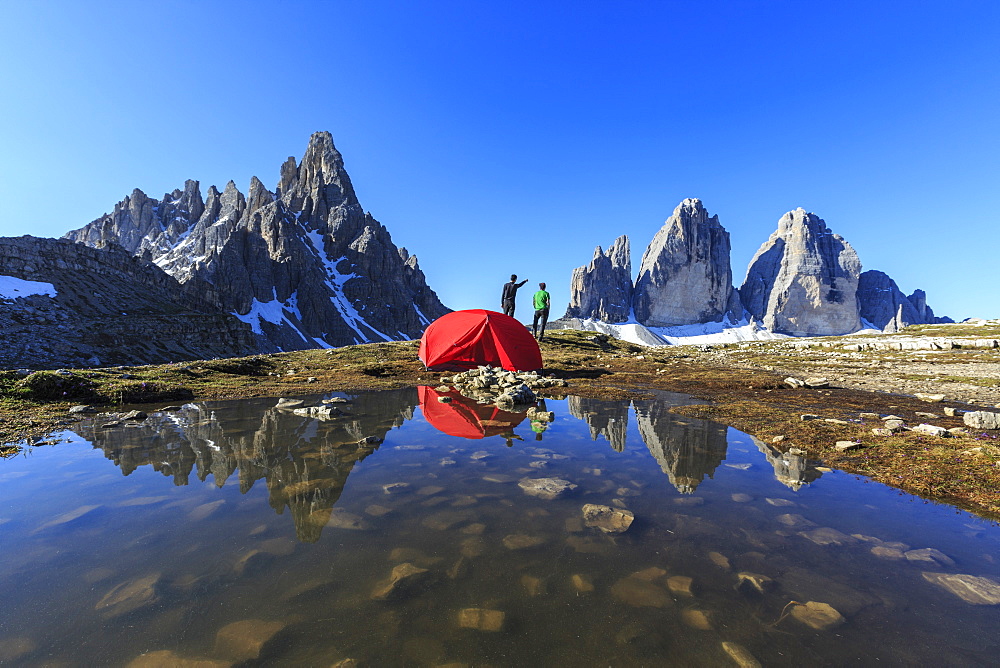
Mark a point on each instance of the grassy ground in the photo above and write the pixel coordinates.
(960, 471)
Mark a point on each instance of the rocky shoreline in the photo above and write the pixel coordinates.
(740, 385)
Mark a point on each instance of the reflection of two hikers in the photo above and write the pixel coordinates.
(540, 301)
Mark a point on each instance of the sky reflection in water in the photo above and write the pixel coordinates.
(244, 532)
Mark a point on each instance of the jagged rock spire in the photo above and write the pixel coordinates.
(804, 279)
(685, 275)
(602, 290)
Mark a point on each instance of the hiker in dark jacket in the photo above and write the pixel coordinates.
(509, 292)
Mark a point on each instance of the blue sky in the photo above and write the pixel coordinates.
(493, 138)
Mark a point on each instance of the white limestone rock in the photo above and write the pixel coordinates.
(803, 281)
(685, 276)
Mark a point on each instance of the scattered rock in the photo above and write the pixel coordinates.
(696, 619)
(129, 596)
(844, 446)
(520, 541)
(403, 579)
(719, 560)
(680, 585)
(242, 641)
(932, 430)
(640, 593)
(607, 519)
(795, 520)
(165, 658)
(929, 555)
(929, 398)
(741, 655)
(894, 425)
(546, 488)
(969, 588)
(810, 416)
(82, 409)
(779, 502)
(396, 487)
(982, 420)
(883, 552)
(816, 383)
(740, 497)
(794, 383)
(828, 536)
(481, 619)
(881, 432)
(753, 583)
(582, 584)
(820, 616)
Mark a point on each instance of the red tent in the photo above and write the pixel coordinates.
(464, 417)
(463, 340)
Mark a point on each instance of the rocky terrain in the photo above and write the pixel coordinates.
(803, 281)
(305, 266)
(108, 307)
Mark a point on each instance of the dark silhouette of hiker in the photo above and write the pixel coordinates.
(540, 301)
(509, 293)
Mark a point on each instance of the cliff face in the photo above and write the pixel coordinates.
(602, 290)
(305, 266)
(685, 276)
(804, 280)
(108, 307)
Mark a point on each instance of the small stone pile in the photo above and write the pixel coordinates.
(505, 389)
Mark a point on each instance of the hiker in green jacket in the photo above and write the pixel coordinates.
(541, 301)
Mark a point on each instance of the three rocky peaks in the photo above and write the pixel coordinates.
(803, 281)
(305, 266)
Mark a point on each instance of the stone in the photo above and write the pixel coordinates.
(893, 553)
(803, 280)
(930, 398)
(894, 425)
(753, 582)
(76, 410)
(794, 520)
(546, 488)
(982, 420)
(809, 416)
(696, 619)
(607, 519)
(582, 584)
(929, 555)
(828, 536)
(869, 416)
(719, 560)
(844, 446)
(879, 431)
(603, 289)
(680, 585)
(816, 382)
(129, 596)
(522, 541)
(403, 579)
(741, 655)
(396, 487)
(341, 519)
(481, 619)
(818, 615)
(780, 503)
(685, 275)
(244, 640)
(970, 588)
(953, 412)
(12, 649)
(376, 510)
(794, 383)
(932, 430)
(640, 593)
(929, 416)
(740, 497)
(533, 586)
(165, 658)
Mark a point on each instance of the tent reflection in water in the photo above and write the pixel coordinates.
(465, 418)
(463, 340)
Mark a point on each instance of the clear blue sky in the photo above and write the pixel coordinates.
(514, 136)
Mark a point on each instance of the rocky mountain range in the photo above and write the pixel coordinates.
(304, 266)
(803, 281)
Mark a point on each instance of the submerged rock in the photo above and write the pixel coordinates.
(607, 519)
(481, 619)
(401, 580)
(969, 588)
(129, 596)
(244, 640)
(818, 615)
(546, 488)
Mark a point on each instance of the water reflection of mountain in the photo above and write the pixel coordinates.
(605, 418)
(303, 461)
(688, 449)
(789, 469)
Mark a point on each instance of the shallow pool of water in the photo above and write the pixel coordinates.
(401, 535)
